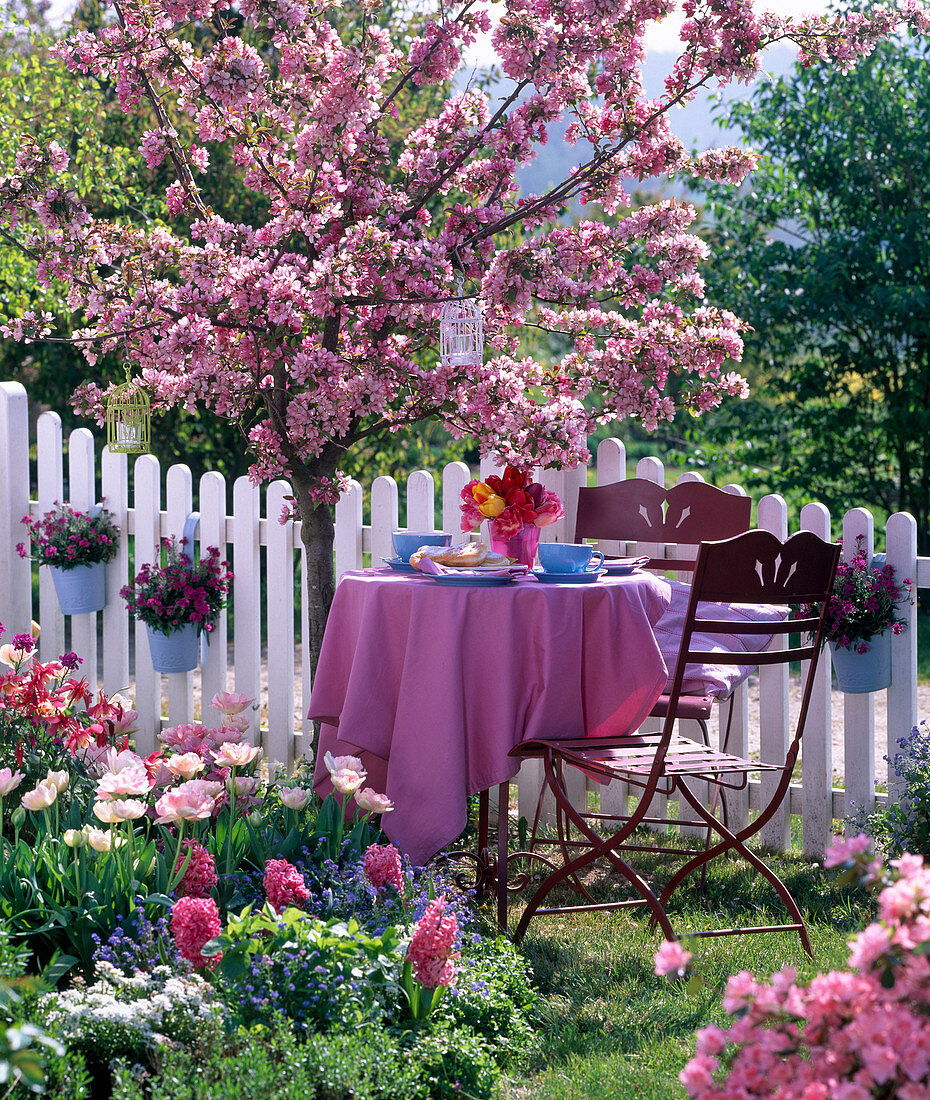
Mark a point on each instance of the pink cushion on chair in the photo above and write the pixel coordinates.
(716, 680)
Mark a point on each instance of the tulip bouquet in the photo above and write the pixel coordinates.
(512, 502)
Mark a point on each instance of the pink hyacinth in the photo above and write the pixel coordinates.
(200, 874)
(431, 946)
(383, 867)
(284, 885)
(195, 921)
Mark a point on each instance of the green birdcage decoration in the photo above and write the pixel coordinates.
(129, 420)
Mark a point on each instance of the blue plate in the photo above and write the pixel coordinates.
(400, 566)
(569, 578)
(619, 568)
(462, 580)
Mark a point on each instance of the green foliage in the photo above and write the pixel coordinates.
(903, 823)
(55, 898)
(320, 974)
(24, 1047)
(494, 999)
(367, 1063)
(826, 253)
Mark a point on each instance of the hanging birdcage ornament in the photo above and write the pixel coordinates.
(129, 419)
(461, 332)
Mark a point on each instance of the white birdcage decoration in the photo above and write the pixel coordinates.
(461, 333)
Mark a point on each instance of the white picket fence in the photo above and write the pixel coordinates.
(270, 664)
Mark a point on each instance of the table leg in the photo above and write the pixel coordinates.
(503, 818)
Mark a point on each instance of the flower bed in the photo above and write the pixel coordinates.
(191, 916)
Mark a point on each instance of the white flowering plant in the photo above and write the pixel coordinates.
(131, 1015)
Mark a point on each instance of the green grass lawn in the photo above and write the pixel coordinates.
(611, 1030)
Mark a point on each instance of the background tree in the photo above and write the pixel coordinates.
(826, 253)
(311, 323)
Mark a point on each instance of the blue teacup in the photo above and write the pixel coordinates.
(408, 542)
(568, 557)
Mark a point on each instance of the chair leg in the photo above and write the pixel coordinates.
(577, 865)
(600, 848)
(735, 842)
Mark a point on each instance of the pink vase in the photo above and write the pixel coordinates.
(521, 546)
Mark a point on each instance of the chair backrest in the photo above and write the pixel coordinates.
(756, 568)
(636, 510)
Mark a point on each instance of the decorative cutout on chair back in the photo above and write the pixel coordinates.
(637, 510)
(758, 567)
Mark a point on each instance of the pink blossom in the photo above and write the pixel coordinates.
(671, 958)
(185, 765)
(233, 755)
(284, 885)
(9, 781)
(296, 798)
(341, 763)
(230, 702)
(195, 921)
(432, 945)
(131, 780)
(375, 803)
(383, 866)
(191, 801)
(842, 850)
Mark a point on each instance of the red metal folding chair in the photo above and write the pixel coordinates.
(689, 513)
(753, 568)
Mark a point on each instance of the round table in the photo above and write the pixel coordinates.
(433, 685)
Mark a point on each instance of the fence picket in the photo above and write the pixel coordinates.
(421, 501)
(147, 530)
(901, 541)
(179, 503)
(213, 659)
(114, 491)
(50, 488)
(773, 698)
(817, 749)
(15, 572)
(383, 517)
(82, 492)
(246, 602)
(859, 710)
(279, 743)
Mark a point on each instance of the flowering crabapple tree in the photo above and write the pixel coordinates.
(321, 318)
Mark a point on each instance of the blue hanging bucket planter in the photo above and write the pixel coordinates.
(178, 651)
(859, 673)
(82, 589)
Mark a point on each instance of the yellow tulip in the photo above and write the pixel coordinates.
(493, 506)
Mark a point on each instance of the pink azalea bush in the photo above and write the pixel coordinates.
(860, 1034)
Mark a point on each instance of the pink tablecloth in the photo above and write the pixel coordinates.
(433, 685)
